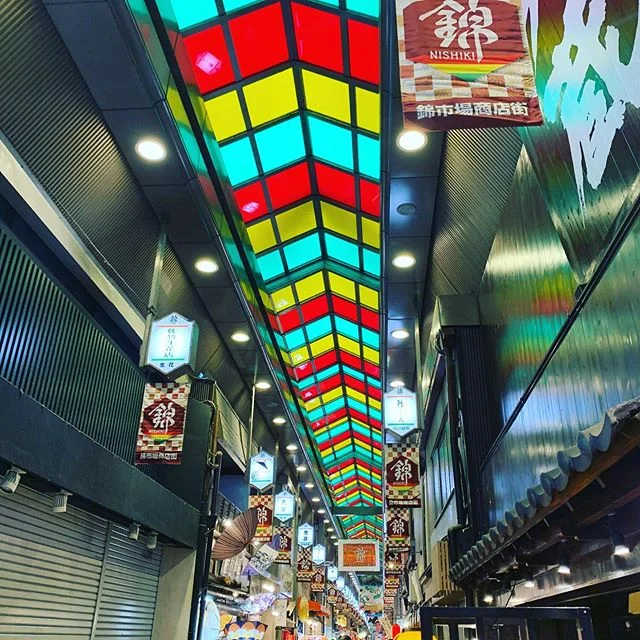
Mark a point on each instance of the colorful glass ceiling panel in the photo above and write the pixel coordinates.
(291, 94)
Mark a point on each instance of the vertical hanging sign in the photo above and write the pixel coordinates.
(171, 345)
(402, 473)
(264, 508)
(284, 505)
(305, 535)
(261, 470)
(317, 580)
(161, 430)
(305, 565)
(465, 64)
(282, 542)
(398, 522)
(400, 411)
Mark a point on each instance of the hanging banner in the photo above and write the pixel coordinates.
(261, 470)
(394, 562)
(402, 474)
(263, 558)
(284, 505)
(306, 535)
(305, 565)
(264, 511)
(171, 345)
(286, 576)
(317, 581)
(332, 594)
(162, 422)
(283, 543)
(465, 64)
(358, 555)
(371, 598)
(398, 529)
(400, 411)
(332, 573)
(318, 554)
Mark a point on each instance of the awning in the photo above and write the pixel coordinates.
(317, 609)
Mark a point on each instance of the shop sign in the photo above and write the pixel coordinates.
(284, 505)
(162, 422)
(264, 511)
(282, 542)
(465, 64)
(332, 573)
(317, 581)
(402, 473)
(261, 470)
(398, 529)
(318, 554)
(305, 535)
(400, 411)
(358, 555)
(305, 565)
(171, 344)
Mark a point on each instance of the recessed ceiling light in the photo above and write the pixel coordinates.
(300, 468)
(394, 384)
(335, 544)
(278, 420)
(292, 447)
(315, 499)
(403, 261)
(240, 336)
(206, 265)
(334, 537)
(400, 334)
(151, 149)
(321, 511)
(407, 209)
(330, 529)
(309, 485)
(327, 521)
(263, 385)
(412, 140)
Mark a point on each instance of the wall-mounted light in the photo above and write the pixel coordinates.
(152, 540)
(564, 567)
(620, 549)
(60, 501)
(11, 479)
(134, 531)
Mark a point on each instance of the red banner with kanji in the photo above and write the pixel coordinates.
(465, 64)
(317, 581)
(162, 421)
(283, 543)
(402, 474)
(305, 565)
(264, 511)
(398, 529)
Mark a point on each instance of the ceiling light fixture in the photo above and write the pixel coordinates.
(240, 336)
(300, 468)
(263, 385)
(151, 149)
(400, 334)
(152, 540)
(407, 209)
(620, 548)
(403, 261)
(206, 265)
(321, 511)
(292, 447)
(412, 140)
(278, 420)
(394, 384)
(327, 521)
(309, 485)
(330, 529)
(315, 499)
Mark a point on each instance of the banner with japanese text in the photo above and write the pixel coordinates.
(305, 565)
(162, 421)
(398, 529)
(394, 563)
(332, 594)
(283, 543)
(317, 581)
(402, 474)
(465, 64)
(264, 510)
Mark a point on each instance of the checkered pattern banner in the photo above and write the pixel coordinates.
(398, 529)
(264, 508)
(305, 565)
(465, 64)
(402, 473)
(317, 581)
(283, 543)
(162, 421)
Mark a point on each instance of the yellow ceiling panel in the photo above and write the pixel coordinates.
(376, 404)
(310, 287)
(322, 345)
(356, 395)
(299, 355)
(371, 354)
(369, 297)
(349, 345)
(370, 232)
(285, 356)
(339, 220)
(368, 110)
(312, 404)
(342, 286)
(271, 98)
(296, 221)
(283, 299)
(332, 395)
(262, 236)
(225, 115)
(326, 96)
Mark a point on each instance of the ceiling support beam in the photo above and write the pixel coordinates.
(357, 511)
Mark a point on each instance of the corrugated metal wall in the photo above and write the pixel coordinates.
(54, 352)
(51, 119)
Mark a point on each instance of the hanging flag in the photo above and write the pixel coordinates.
(402, 475)
(282, 542)
(162, 422)
(465, 64)
(400, 411)
(398, 529)
(332, 594)
(317, 581)
(305, 535)
(305, 565)
(261, 470)
(359, 555)
(284, 505)
(264, 510)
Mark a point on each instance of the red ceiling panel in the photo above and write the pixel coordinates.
(318, 37)
(335, 184)
(370, 197)
(289, 185)
(251, 202)
(364, 51)
(210, 59)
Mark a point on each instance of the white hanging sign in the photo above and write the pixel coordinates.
(284, 505)
(171, 344)
(261, 470)
(340, 583)
(400, 411)
(318, 554)
(332, 573)
(305, 535)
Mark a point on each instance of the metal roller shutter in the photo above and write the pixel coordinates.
(128, 598)
(50, 567)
